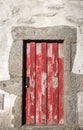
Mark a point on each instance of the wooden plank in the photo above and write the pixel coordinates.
(61, 83)
(32, 82)
(44, 72)
(28, 89)
(55, 82)
(38, 83)
(41, 83)
(50, 85)
(44, 82)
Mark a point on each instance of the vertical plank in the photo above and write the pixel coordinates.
(44, 82)
(32, 83)
(52, 72)
(28, 89)
(38, 83)
(50, 85)
(55, 82)
(61, 83)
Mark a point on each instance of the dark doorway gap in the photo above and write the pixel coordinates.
(41, 40)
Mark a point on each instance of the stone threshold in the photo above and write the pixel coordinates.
(49, 127)
(44, 127)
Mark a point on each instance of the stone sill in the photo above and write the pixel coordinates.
(44, 127)
(48, 127)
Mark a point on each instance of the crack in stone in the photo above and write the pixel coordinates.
(26, 21)
(46, 15)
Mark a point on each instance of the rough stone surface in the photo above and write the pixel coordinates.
(16, 67)
(17, 109)
(6, 115)
(80, 108)
(24, 33)
(68, 35)
(70, 109)
(39, 14)
(1, 101)
(25, 127)
(12, 87)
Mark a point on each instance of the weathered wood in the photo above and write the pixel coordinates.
(44, 95)
(50, 85)
(61, 83)
(38, 83)
(32, 82)
(44, 83)
(55, 82)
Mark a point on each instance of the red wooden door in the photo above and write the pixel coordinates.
(44, 92)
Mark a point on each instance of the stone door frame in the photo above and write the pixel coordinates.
(66, 34)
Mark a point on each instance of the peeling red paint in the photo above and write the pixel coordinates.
(32, 82)
(38, 83)
(44, 83)
(50, 85)
(44, 96)
(61, 83)
(52, 73)
(55, 83)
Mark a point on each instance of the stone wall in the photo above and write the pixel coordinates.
(39, 13)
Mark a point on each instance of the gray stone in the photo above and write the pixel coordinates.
(43, 127)
(16, 58)
(73, 53)
(1, 101)
(55, 33)
(73, 83)
(17, 110)
(13, 86)
(70, 111)
(67, 53)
